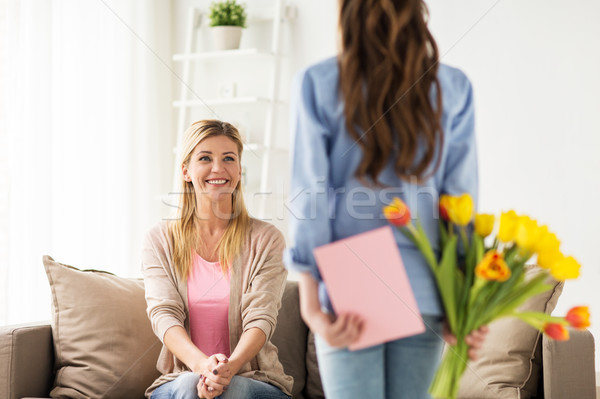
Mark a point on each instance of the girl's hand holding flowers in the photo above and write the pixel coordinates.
(474, 340)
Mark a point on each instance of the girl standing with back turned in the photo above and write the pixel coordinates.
(382, 119)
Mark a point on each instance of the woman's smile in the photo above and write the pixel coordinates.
(217, 182)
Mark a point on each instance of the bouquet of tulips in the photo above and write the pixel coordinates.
(479, 282)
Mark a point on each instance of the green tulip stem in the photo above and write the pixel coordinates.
(464, 238)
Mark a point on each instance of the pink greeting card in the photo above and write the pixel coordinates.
(365, 275)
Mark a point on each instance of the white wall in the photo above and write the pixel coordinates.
(534, 66)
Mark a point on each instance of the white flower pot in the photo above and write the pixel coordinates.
(226, 37)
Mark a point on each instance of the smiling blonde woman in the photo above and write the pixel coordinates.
(214, 279)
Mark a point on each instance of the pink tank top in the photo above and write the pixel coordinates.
(208, 301)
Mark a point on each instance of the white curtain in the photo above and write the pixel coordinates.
(88, 134)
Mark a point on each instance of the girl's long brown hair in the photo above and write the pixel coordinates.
(388, 67)
(183, 230)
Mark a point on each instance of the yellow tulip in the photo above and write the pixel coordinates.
(566, 268)
(484, 224)
(527, 233)
(460, 210)
(548, 257)
(546, 242)
(508, 226)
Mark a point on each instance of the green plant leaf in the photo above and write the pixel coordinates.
(446, 275)
(227, 13)
(517, 297)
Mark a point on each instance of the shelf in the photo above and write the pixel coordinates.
(220, 54)
(224, 101)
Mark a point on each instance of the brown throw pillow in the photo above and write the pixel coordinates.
(509, 363)
(103, 341)
(314, 387)
(290, 338)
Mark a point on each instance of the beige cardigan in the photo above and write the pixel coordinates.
(257, 283)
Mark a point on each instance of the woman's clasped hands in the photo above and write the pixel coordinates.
(215, 376)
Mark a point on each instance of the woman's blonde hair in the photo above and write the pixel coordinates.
(388, 68)
(183, 230)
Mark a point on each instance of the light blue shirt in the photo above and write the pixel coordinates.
(328, 203)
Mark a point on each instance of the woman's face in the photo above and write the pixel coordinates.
(214, 168)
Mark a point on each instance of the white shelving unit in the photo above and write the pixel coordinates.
(264, 148)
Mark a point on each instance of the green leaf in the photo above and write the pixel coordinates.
(518, 296)
(542, 317)
(517, 277)
(409, 235)
(447, 282)
(422, 242)
(443, 233)
(473, 257)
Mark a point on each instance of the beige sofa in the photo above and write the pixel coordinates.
(34, 358)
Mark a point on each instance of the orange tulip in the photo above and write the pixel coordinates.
(445, 204)
(493, 267)
(579, 317)
(397, 213)
(556, 331)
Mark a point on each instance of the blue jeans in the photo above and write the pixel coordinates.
(185, 387)
(401, 369)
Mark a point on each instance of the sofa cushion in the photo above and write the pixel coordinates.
(103, 341)
(290, 338)
(509, 364)
(314, 387)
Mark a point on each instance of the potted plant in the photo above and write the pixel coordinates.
(227, 19)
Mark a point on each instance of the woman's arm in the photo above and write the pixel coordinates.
(179, 344)
(460, 169)
(165, 306)
(250, 343)
(261, 299)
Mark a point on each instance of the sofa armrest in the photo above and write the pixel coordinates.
(569, 366)
(26, 360)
